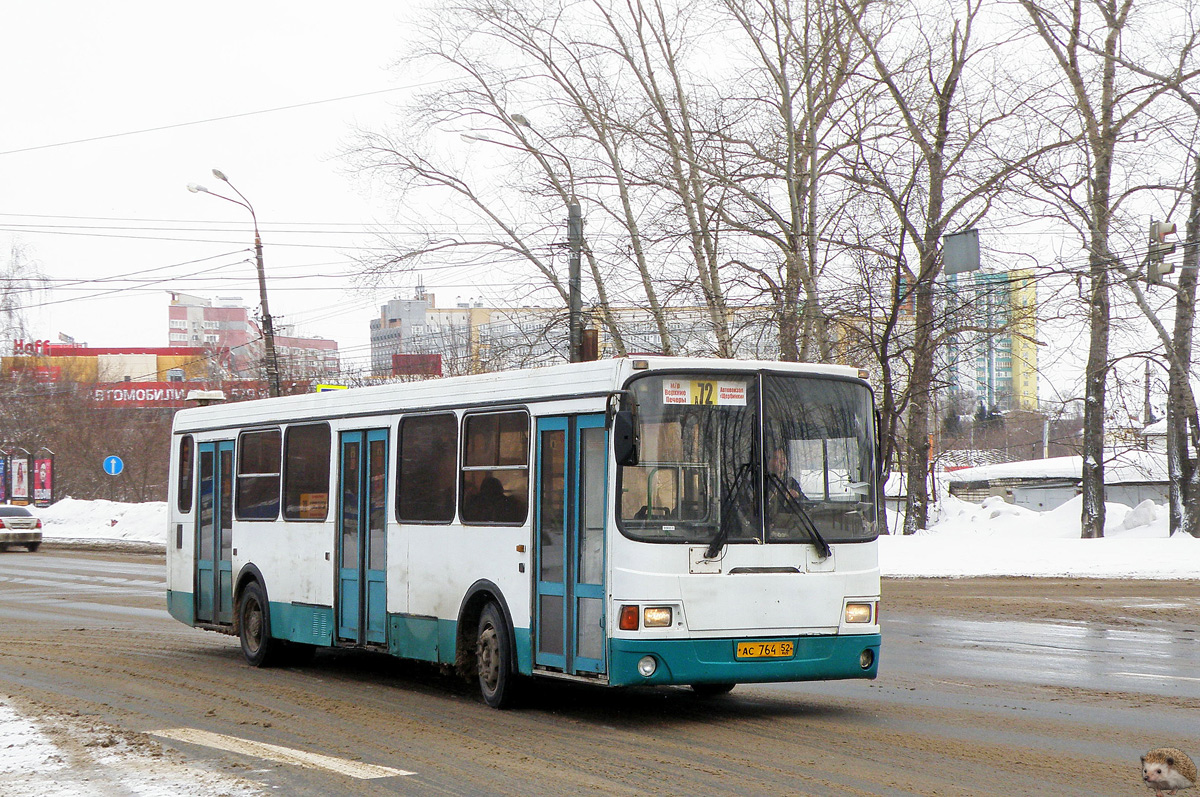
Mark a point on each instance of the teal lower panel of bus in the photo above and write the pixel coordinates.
(297, 622)
(697, 661)
(302, 622)
(182, 606)
(425, 638)
(415, 637)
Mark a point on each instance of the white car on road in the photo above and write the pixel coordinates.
(18, 526)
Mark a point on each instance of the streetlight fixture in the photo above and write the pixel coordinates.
(574, 231)
(574, 248)
(268, 326)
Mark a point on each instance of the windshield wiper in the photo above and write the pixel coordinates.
(795, 507)
(730, 507)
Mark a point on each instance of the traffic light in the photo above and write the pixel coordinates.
(1159, 249)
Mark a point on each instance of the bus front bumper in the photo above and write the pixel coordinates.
(700, 661)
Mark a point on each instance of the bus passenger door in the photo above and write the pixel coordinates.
(362, 535)
(569, 538)
(214, 534)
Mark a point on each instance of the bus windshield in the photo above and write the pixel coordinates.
(751, 458)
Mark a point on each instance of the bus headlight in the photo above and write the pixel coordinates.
(858, 612)
(647, 665)
(866, 658)
(657, 617)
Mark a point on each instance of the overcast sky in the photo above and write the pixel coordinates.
(103, 208)
(113, 109)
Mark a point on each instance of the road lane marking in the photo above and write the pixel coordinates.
(282, 755)
(1151, 675)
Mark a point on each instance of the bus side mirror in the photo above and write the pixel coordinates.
(624, 435)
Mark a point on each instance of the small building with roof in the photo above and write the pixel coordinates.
(1130, 477)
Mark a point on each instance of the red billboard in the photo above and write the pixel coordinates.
(152, 395)
(416, 365)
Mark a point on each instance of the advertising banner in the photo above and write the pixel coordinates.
(20, 480)
(43, 481)
(3, 479)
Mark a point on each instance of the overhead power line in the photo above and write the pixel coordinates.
(209, 120)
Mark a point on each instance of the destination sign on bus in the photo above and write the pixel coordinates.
(704, 391)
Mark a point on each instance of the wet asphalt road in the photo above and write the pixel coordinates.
(984, 697)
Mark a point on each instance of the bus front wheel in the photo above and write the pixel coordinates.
(493, 653)
(254, 627)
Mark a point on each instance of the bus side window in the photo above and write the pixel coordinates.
(426, 475)
(186, 464)
(495, 470)
(306, 472)
(258, 475)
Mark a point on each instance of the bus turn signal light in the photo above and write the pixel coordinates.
(629, 618)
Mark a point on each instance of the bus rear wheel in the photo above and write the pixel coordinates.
(254, 628)
(493, 655)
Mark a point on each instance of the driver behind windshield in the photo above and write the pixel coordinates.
(780, 479)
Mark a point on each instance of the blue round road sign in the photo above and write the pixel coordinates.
(113, 465)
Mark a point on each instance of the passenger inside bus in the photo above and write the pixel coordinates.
(492, 504)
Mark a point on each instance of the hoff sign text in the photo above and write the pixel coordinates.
(33, 347)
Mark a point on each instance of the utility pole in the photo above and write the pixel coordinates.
(574, 300)
(268, 325)
(1147, 410)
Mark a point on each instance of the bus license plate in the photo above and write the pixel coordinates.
(765, 650)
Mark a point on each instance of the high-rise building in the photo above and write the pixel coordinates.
(399, 320)
(995, 363)
(228, 330)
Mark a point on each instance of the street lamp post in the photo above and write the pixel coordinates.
(268, 325)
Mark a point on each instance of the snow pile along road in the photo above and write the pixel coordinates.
(71, 519)
(61, 755)
(996, 538)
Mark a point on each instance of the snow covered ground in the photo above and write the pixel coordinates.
(964, 539)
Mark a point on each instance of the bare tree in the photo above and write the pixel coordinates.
(1179, 76)
(1102, 103)
(1183, 415)
(20, 280)
(782, 141)
(936, 164)
(597, 89)
(81, 432)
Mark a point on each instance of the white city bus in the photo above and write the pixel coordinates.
(622, 522)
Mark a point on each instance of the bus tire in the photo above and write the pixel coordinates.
(493, 657)
(254, 628)
(712, 690)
